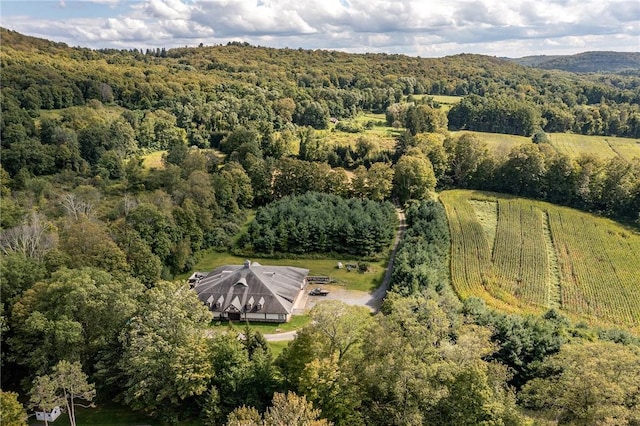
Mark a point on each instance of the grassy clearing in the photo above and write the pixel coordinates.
(544, 256)
(277, 347)
(367, 281)
(498, 143)
(107, 414)
(601, 146)
(106, 112)
(446, 100)
(251, 214)
(381, 134)
(153, 160)
(624, 147)
(296, 322)
(573, 145)
(576, 145)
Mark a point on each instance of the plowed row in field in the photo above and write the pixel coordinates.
(544, 256)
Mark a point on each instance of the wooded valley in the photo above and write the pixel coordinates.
(514, 293)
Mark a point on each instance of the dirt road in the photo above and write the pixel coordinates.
(353, 297)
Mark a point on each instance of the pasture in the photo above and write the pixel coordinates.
(498, 143)
(576, 145)
(533, 256)
(603, 147)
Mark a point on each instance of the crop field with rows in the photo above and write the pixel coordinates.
(542, 256)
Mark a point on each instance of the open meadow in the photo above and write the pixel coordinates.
(498, 143)
(529, 256)
(383, 136)
(604, 147)
(573, 145)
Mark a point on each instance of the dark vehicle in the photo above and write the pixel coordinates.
(318, 292)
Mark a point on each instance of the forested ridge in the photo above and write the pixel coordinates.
(93, 236)
(586, 62)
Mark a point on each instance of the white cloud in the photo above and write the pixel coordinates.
(417, 27)
(167, 9)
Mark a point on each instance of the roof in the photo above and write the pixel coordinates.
(251, 288)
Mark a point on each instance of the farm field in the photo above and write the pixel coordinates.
(445, 101)
(541, 256)
(498, 143)
(573, 145)
(601, 146)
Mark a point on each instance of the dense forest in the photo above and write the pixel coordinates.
(321, 223)
(587, 62)
(92, 236)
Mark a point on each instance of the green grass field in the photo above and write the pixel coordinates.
(153, 160)
(107, 415)
(600, 146)
(573, 145)
(277, 347)
(382, 135)
(497, 143)
(533, 256)
(296, 322)
(367, 281)
(106, 112)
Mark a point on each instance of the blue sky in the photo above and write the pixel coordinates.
(415, 27)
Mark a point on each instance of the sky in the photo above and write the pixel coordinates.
(425, 28)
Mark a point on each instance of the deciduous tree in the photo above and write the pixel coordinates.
(44, 395)
(12, 412)
(166, 357)
(590, 383)
(292, 410)
(72, 384)
(414, 178)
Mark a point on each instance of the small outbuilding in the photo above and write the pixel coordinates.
(251, 291)
(48, 416)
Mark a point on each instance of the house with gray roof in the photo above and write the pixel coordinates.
(251, 291)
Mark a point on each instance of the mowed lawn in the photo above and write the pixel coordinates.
(533, 256)
(354, 280)
(106, 415)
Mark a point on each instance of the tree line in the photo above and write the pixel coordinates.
(91, 237)
(321, 223)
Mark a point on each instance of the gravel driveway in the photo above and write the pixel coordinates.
(350, 297)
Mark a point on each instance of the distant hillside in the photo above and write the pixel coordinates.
(585, 62)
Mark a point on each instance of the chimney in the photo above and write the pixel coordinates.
(247, 263)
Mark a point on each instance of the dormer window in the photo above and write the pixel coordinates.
(249, 304)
